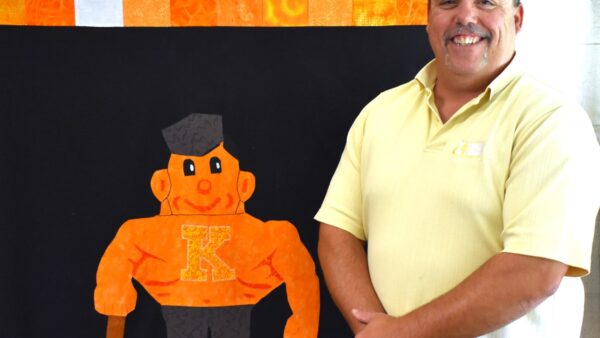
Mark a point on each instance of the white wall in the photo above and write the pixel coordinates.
(557, 44)
(560, 43)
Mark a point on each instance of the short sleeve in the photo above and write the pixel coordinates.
(342, 206)
(553, 189)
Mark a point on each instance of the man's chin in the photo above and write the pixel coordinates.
(471, 68)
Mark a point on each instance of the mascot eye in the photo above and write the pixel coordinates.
(189, 169)
(215, 165)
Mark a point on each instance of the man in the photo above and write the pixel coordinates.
(476, 189)
(204, 259)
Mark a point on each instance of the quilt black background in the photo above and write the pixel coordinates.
(81, 110)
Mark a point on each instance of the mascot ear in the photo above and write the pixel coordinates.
(246, 185)
(160, 184)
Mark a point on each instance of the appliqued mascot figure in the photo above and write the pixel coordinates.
(203, 258)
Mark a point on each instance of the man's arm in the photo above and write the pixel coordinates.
(344, 263)
(505, 288)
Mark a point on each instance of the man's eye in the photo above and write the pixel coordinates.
(486, 3)
(447, 3)
(189, 168)
(215, 165)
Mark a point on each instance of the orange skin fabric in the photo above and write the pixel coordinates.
(203, 250)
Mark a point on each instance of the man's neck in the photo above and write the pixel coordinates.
(452, 91)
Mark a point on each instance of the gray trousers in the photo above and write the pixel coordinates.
(197, 322)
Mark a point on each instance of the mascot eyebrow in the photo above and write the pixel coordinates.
(203, 258)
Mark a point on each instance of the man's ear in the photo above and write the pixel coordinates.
(518, 18)
(160, 184)
(246, 185)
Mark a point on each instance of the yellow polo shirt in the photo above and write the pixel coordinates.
(516, 169)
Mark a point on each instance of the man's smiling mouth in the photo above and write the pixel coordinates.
(466, 35)
(466, 40)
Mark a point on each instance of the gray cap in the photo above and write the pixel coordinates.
(195, 135)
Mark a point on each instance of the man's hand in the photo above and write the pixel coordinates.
(379, 325)
(505, 288)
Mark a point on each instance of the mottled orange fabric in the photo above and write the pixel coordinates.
(390, 12)
(203, 250)
(146, 13)
(50, 12)
(330, 12)
(240, 13)
(374, 12)
(411, 12)
(193, 13)
(12, 12)
(285, 12)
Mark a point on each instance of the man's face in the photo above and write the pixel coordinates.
(473, 37)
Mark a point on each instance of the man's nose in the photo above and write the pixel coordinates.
(466, 13)
(204, 186)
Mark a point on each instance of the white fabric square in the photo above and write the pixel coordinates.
(99, 13)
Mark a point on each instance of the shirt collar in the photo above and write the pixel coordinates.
(512, 71)
(428, 74)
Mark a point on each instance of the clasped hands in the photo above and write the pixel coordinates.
(380, 325)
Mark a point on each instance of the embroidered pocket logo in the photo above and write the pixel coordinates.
(467, 149)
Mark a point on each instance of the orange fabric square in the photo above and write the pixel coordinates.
(285, 12)
(50, 12)
(12, 12)
(374, 12)
(330, 12)
(411, 12)
(240, 12)
(193, 13)
(146, 13)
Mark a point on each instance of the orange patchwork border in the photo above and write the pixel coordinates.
(269, 13)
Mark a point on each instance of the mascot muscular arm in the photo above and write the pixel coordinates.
(203, 258)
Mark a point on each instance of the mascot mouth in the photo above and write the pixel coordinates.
(204, 208)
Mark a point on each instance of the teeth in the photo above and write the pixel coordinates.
(466, 40)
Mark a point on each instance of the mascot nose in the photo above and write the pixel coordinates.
(204, 186)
